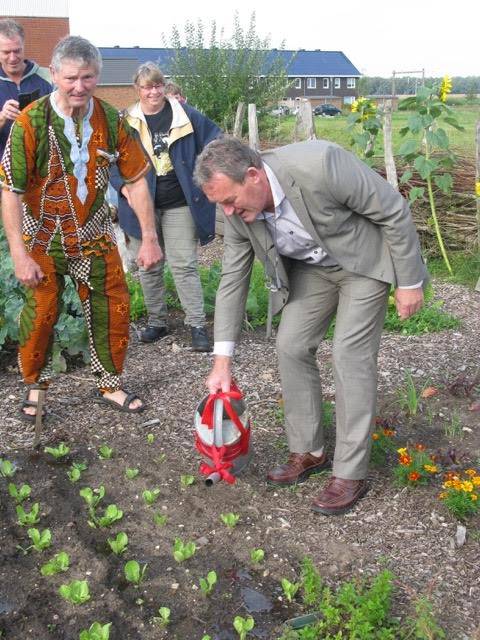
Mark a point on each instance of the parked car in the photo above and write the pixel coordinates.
(326, 110)
(281, 110)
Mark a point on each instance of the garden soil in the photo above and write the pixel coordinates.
(408, 531)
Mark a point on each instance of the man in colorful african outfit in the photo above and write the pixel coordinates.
(54, 174)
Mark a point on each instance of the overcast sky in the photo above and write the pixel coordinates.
(377, 35)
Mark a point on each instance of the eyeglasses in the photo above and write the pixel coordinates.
(151, 87)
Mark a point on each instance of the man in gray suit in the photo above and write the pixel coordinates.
(333, 236)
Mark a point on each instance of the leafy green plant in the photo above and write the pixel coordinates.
(105, 452)
(60, 562)
(134, 573)
(187, 480)
(58, 452)
(160, 519)
(76, 592)
(163, 618)
(289, 588)
(311, 583)
(243, 625)
(424, 626)
(409, 396)
(461, 493)
(364, 124)
(96, 631)
(131, 473)
(119, 544)
(92, 497)
(111, 514)
(75, 472)
(230, 519)
(207, 584)
(27, 518)
(150, 438)
(257, 556)
(7, 468)
(183, 551)
(19, 494)
(150, 497)
(415, 466)
(431, 156)
(454, 428)
(41, 540)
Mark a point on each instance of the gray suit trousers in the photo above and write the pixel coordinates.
(316, 294)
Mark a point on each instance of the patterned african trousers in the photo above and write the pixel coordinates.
(101, 286)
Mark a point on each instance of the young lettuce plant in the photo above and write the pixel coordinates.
(160, 519)
(58, 452)
(40, 539)
(21, 494)
(187, 480)
(105, 452)
(60, 562)
(75, 472)
(230, 519)
(150, 497)
(77, 592)
(134, 573)
(183, 551)
(163, 618)
(207, 584)
(257, 556)
(28, 518)
(119, 544)
(111, 514)
(243, 625)
(131, 473)
(289, 588)
(92, 497)
(96, 631)
(7, 468)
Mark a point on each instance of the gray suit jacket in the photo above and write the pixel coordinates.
(348, 209)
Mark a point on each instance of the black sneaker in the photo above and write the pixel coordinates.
(200, 339)
(152, 334)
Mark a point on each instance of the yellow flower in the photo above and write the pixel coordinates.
(445, 88)
(444, 494)
(476, 481)
(477, 189)
(474, 497)
(431, 468)
(402, 452)
(375, 436)
(471, 472)
(467, 486)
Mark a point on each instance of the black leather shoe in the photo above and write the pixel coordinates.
(200, 339)
(152, 334)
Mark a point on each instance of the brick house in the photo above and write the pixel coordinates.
(320, 76)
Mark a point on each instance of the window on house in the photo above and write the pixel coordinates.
(337, 83)
(311, 83)
(298, 83)
(351, 83)
(326, 83)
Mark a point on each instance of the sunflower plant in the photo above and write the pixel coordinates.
(428, 150)
(364, 124)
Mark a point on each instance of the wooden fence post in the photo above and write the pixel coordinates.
(253, 139)
(388, 146)
(304, 125)
(477, 181)
(237, 127)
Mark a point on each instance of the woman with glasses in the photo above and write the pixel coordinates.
(172, 135)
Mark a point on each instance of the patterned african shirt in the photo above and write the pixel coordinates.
(62, 168)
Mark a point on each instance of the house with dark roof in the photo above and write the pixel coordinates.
(320, 76)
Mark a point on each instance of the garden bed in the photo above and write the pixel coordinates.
(407, 530)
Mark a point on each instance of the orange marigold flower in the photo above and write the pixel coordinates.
(467, 486)
(405, 460)
(375, 436)
(389, 433)
(470, 472)
(420, 447)
(431, 468)
(413, 476)
(474, 497)
(451, 475)
(476, 481)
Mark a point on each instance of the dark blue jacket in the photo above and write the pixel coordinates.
(9, 91)
(189, 139)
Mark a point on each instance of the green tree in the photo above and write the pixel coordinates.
(216, 72)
